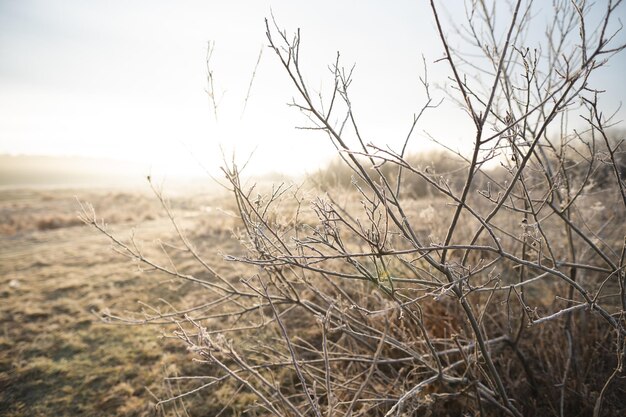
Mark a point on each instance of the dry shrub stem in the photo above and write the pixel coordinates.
(349, 302)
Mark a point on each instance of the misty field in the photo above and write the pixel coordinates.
(60, 278)
(411, 276)
(56, 356)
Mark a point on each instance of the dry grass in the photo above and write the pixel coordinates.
(56, 356)
(26, 210)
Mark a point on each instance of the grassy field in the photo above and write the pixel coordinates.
(56, 356)
(58, 276)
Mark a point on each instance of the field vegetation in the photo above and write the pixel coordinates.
(56, 356)
(388, 284)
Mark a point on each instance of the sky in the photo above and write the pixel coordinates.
(127, 80)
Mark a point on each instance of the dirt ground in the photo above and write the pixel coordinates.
(57, 357)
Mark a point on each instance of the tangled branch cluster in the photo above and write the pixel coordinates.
(361, 306)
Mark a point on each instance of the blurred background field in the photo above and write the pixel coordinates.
(58, 276)
(56, 356)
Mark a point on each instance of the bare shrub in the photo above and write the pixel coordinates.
(503, 293)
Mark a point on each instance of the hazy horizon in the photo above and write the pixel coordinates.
(127, 81)
(74, 172)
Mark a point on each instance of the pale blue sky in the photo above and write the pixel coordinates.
(126, 79)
